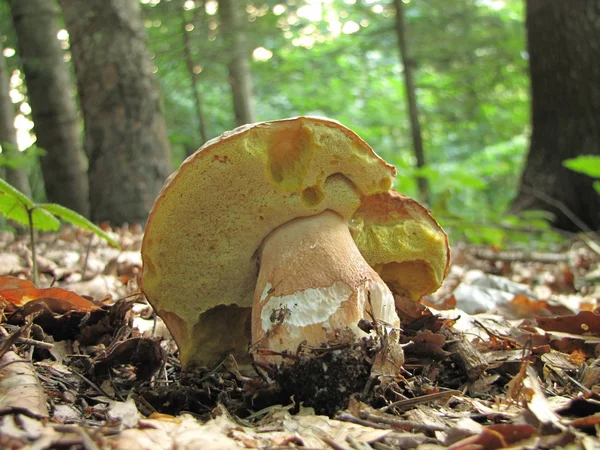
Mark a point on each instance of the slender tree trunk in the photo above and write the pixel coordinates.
(8, 136)
(413, 110)
(126, 139)
(194, 78)
(564, 49)
(52, 105)
(240, 75)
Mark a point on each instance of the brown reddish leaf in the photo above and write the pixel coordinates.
(495, 437)
(409, 310)
(7, 283)
(587, 422)
(20, 389)
(525, 306)
(428, 344)
(585, 322)
(67, 299)
(448, 302)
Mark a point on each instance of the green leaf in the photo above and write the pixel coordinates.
(76, 219)
(8, 190)
(44, 221)
(14, 205)
(586, 164)
(597, 186)
(13, 209)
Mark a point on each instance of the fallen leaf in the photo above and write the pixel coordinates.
(20, 389)
(66, 299)
(143, 353)
(585, 322)
(495, 437)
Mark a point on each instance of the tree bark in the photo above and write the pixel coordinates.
(240, 75)
(564, 49)
(15, 176)
(52, 105)
(126, 139)
(411, 97)
(194, 78)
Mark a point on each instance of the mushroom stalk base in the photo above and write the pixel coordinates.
(313, 288)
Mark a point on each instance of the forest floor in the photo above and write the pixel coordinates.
(504, 355)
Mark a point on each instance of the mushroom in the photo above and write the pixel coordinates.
(281, 233)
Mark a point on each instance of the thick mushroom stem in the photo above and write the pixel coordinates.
(314, 286)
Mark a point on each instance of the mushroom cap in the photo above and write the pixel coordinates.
(199, 249)
(401, 240)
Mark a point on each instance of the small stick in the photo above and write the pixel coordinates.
(401, 424)
(87, 255)
(345, 417)
(39, 344)
(419, 400)
(91, 383)
(334, 445)
(3, 365)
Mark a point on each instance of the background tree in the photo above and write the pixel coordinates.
(564, 49)
(240, 75)
(52, 104)
(8, 138)
(187, 26)
(126, 140)
(411, 97)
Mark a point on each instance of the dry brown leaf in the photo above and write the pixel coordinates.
(19, 387)
(585, 322)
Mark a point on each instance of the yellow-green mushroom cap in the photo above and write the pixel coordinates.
(402, 241)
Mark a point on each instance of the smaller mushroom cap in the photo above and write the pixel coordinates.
(402, 241)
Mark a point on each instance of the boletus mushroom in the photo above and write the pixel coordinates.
(282, 233)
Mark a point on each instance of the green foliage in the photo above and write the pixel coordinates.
(469, 66)
(16, 159)
(17, 206)
(586, 164)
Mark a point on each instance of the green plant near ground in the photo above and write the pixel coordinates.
(16, 206)
(588, 165)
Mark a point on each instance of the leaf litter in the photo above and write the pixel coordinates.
(505, 355)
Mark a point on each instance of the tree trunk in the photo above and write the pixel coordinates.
(52, 105)
(194, 78)
(8, 137)
(411, 96)
(126, 139)
(240, 76)
(564, 49)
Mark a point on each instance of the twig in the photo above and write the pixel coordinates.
(34, 266)
(86, 440)
(345, 417)
(87, 255)
(520, 256)
(38, 344)
(401, 424)
(419, 400)
(3, 365)
(334, 445)
(92, 384)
